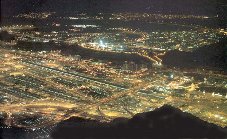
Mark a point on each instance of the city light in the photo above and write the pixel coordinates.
(109, 65)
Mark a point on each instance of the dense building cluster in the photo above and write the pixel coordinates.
(48, 86)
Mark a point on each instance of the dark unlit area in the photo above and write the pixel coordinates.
(165, 122)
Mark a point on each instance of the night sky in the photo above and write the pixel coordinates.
(201, 7)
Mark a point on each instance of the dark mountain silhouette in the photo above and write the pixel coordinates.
(165, 122)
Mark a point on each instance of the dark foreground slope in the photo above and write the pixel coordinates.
(165, 122)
